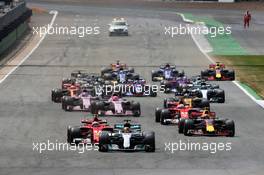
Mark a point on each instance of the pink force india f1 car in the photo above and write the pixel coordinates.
(116, 106)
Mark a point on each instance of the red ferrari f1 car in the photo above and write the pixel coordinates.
(175, 108)
(89, 132)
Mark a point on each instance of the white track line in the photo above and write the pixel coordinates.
(54, 13)
(259, 102)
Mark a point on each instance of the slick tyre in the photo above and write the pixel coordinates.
(165, 114)
(188, 125)
(136, 109)
(104, 140)
(149, 141)
(73, 133)
(181, 125)
(230, 126)
(157, 115)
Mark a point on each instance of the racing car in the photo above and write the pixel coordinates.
(193, 100)
(174, 84)
(175, 109)
(83, 74)
(118, 26)
(166, 72)
(79, 80)
(205, 90)
(127, 137)
(89, 132)
(57, 94)
(80, 77)
(218, 72)
(81, 102)
(206, 124)
(211, 92)
(116, 67)
(116, 106)
(120, 76)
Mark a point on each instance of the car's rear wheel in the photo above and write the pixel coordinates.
(72, 133)
(69, 134)
(56, 95)
(136, 109)
(149, 141)
(188, 125)
(181, 125)
(230, 126)
(104, 141)
(165, 114)
(157, 114)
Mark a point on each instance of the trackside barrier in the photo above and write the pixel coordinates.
(12, 32)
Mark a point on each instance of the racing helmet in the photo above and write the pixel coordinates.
(205, 114)
(95, 123)
(186, 95)
(127, 124)
(115, 98)
(184, 90)
(96, 118)
(72, 86)
(85, 93)
(126, 129)
(180, 105)
(203, 85)
(218, 65)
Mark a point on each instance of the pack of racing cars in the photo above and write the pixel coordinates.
(90, 92)
(125, 136)
(193, 119)
(189, 108)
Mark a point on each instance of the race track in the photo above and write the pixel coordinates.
(27, 114)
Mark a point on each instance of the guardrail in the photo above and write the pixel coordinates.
(13, 24)
(11, 14)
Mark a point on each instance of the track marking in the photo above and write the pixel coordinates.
(259, 102)
(54, 13)
(194, 39)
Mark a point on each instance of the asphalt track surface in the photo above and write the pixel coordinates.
(27, 114)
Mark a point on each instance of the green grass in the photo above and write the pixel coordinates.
(223, 44)
(249, 70)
